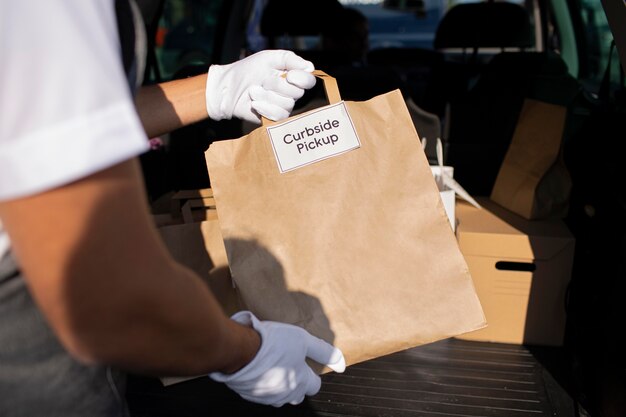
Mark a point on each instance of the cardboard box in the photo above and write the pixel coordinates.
(521, 269)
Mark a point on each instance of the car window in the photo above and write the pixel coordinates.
(580, 33)
(186, 34)
(391, 25)
(397, 28)
(598, 38)
(187, 30)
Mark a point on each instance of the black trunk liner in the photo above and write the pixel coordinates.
(447, 378)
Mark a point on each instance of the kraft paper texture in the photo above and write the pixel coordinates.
(357, 248)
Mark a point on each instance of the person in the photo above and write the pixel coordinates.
(87, 289)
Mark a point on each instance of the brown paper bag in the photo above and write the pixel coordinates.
(355, 248)
(533, 180)
(195, 240)
(199, 246)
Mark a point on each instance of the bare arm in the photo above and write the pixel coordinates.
(266, 83)
(100, 274)
(167, 106)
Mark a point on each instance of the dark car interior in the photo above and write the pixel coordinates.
(467, 87)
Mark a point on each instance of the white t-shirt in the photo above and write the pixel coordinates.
(65, 106)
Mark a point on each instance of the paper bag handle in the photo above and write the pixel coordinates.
(330, 88)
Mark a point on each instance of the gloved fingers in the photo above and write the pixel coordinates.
(281, 394)
(288, 60)
(271, 110)
(298, 401)
(261, 400)
(282, 86)
(302, 79)
(337, 361)
(309, 384)
(260, 94)
(250, 115)
(325, 353)
(314, 382)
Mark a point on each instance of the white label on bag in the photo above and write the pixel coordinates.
(316, 136)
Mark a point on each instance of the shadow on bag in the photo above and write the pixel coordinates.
(342, 208)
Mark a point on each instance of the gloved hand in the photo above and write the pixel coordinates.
(255, 86)
(278, 374)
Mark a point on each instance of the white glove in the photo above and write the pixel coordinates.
(278, 374)
(256, 86)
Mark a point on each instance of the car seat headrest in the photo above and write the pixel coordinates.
(491, 24)
(297, 18)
